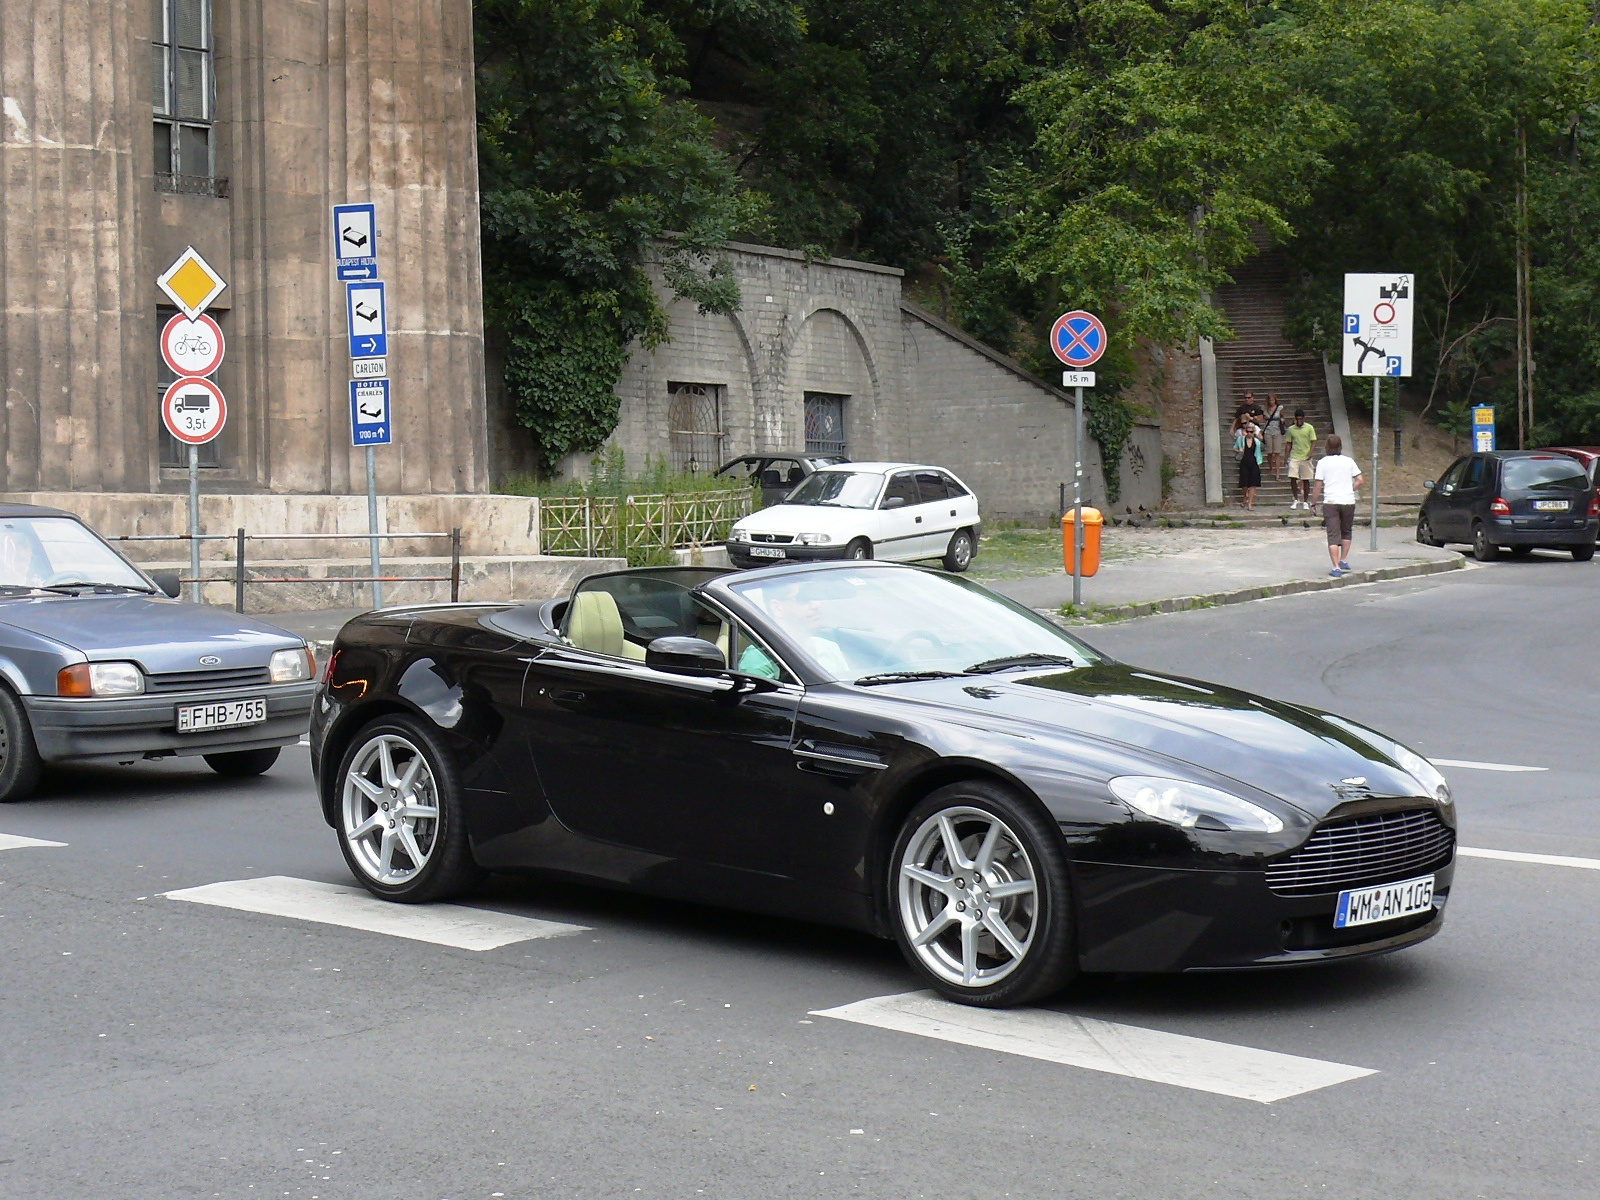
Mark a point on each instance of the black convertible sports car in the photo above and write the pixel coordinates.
(882, 747)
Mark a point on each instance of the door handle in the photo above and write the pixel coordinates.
(952, 512)
(919, 520)
(569, 696)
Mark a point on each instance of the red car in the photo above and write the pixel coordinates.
(1587, 455)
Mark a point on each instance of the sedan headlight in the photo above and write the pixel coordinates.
(100, 680)
(291, 666)
(1424, 772)
(738, 535)
(813, 539)
(1192, 805)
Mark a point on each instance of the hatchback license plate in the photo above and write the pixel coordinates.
(223, 714)
(1550, 506)
(1368, 906)
(767, 552)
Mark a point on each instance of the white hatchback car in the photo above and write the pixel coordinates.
(901, 511)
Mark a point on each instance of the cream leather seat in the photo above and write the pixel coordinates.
(597, 625)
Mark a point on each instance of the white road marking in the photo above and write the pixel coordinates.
(1190, 1062)
(355, 908)
(15, 841)
(1467, 765)
(1543, 860)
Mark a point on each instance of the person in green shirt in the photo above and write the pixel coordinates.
(1302, 439)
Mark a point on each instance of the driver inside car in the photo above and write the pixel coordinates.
(21, 563)
(801, 617)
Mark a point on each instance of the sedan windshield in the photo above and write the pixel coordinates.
(59, 552)
(839, 489)
(887, 625)
(1527, 474)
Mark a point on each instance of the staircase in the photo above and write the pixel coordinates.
(1261, 360)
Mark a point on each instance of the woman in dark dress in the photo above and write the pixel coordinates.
(1248, 443)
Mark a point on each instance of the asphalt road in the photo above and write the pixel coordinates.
(155, 1048)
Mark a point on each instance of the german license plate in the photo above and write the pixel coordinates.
(1368, 906)
(1551, 505)
(768, 552)
(221, 714)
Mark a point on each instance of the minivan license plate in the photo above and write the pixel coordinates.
(1550, 506)
(222, 714)
(767, 552)
(1368, 906)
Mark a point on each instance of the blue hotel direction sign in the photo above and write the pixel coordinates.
(369, 413)
(369, 323)
(355, 241)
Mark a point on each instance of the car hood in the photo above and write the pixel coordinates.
(1306, 758)
(160, 635)
(801, 518)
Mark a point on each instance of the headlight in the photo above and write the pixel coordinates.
(738, 535)
(1192, 805)
(813, 539)
(100, 680)
(1424, 772)
(291, 666)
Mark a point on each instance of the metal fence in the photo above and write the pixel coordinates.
(626, 526)
(240, 579)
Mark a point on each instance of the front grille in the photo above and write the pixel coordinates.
(780, 538)
(195, 681)
(1364, 851)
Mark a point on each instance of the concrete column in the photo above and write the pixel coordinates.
(1210, 419)
(77, 345)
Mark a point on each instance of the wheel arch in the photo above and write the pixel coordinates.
(351, 723)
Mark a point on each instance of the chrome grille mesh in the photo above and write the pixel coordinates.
(1364, 850)
(194, 681)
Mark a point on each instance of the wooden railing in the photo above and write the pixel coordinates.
(626, 526)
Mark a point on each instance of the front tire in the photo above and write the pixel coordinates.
(401, 826)
(959, 556)
(1425, 533)
(979, 897)
(859, 550)
(20, 764)
(1522, 552)
(241, 764)
(1482, 548)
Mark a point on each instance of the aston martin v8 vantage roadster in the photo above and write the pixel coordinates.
(882, 747)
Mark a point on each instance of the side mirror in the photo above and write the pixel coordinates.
(684, 656)
(893, 502)
(1427, 485)
(167, 581)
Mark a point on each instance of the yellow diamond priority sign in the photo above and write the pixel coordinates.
(191, 283)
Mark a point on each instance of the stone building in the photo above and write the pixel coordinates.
(829, 356)
(135, 128)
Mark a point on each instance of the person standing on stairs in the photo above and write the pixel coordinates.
(1272, 429)
(1248, 444)
(1302, 438)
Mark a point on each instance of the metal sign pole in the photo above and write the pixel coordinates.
(372, 525)
(194, 523)
(1377, 381)
(1077, 499)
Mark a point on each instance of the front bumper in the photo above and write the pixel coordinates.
(739, 554)
(1543, 531)
(147, 726)
(1149, 919)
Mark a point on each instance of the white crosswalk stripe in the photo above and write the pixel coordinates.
(1188, 1062)
(15, 841)
(1468, 765)
(354, 908)
(1540, 860)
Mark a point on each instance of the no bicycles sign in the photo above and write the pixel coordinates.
(192, 347)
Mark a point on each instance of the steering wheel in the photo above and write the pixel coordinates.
(896, 648)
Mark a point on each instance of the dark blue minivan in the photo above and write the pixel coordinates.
(1523, 500)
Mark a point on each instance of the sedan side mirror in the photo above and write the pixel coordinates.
(684, 656)
(893, 502)
(167, 581)
(1427, 485)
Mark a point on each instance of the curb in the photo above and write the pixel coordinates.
(1295, 587)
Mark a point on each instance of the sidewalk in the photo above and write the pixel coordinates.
(1248, 570)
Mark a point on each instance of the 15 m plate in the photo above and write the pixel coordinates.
(1389, 902)
(221, 714)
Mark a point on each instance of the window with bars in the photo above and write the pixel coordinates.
(825, 423)
(184, 98)
(694, 425)
(173, 452)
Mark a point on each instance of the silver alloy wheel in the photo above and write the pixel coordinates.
(961, 552)
(969, 899)
(391, 809)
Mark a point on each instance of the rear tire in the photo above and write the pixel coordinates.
(859, 550)
(979, 897)
(1583, 553)
(241, 764)
(960, 554)
(1482, 548)
(20, 764)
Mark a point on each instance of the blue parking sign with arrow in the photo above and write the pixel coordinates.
(369, 324)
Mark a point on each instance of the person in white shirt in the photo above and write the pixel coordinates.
(1338, 477)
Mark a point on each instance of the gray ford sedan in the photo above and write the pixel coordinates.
(99, 663)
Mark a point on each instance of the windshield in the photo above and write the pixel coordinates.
(51, 551)
(872, 621)
(1524, 474)
(839, 489)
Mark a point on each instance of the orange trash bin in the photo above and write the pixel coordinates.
(1093, 520)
